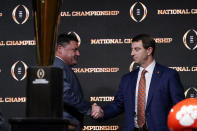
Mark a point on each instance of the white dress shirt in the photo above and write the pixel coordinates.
(148, 76)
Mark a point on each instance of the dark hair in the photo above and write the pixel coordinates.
(147, 41)
(64, 38)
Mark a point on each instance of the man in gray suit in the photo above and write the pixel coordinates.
(67, 53)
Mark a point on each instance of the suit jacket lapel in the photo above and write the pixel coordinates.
(154, 83)
(132, 88)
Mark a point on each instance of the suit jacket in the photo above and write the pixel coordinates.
(165, 91)
(75, 106)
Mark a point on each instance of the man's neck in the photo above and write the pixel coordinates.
(148, 62)
(60, 58)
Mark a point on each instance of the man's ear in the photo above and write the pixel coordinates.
(59, 49)
(150, 50)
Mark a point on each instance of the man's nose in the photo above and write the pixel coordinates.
(78, 53)
(132, 53)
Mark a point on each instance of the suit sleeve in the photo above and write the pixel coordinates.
(117, 106)
(74, 100)
(176, 88)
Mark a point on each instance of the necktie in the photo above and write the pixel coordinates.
(141, 100)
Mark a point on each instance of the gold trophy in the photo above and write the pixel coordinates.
(44, 82)
(47, 19)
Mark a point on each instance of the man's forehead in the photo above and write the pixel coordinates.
(137, 43)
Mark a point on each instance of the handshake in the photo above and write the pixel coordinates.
(97, 111)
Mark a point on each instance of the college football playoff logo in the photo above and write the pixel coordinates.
(133, 66)
(190, 39)
(40, 73)
(138, 12)
(191, 92)
(78, 38)
(20, 14)
(19, 70)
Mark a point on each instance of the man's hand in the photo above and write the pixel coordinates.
(97, 111)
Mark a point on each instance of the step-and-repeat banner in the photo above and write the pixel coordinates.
(106, 28)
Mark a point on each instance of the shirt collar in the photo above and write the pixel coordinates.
(149, 68)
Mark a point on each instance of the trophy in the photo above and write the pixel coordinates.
(47, 18)
(45, 83)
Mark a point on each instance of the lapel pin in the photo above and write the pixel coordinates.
(158, 72)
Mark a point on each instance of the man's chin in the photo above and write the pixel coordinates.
(75, 63)
(135, 61)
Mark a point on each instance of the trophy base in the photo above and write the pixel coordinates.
(44, 93)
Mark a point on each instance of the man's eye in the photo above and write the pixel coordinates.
(137, 49)
(74, 50)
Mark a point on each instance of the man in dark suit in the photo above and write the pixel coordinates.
(147, 94)
(67, 53)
